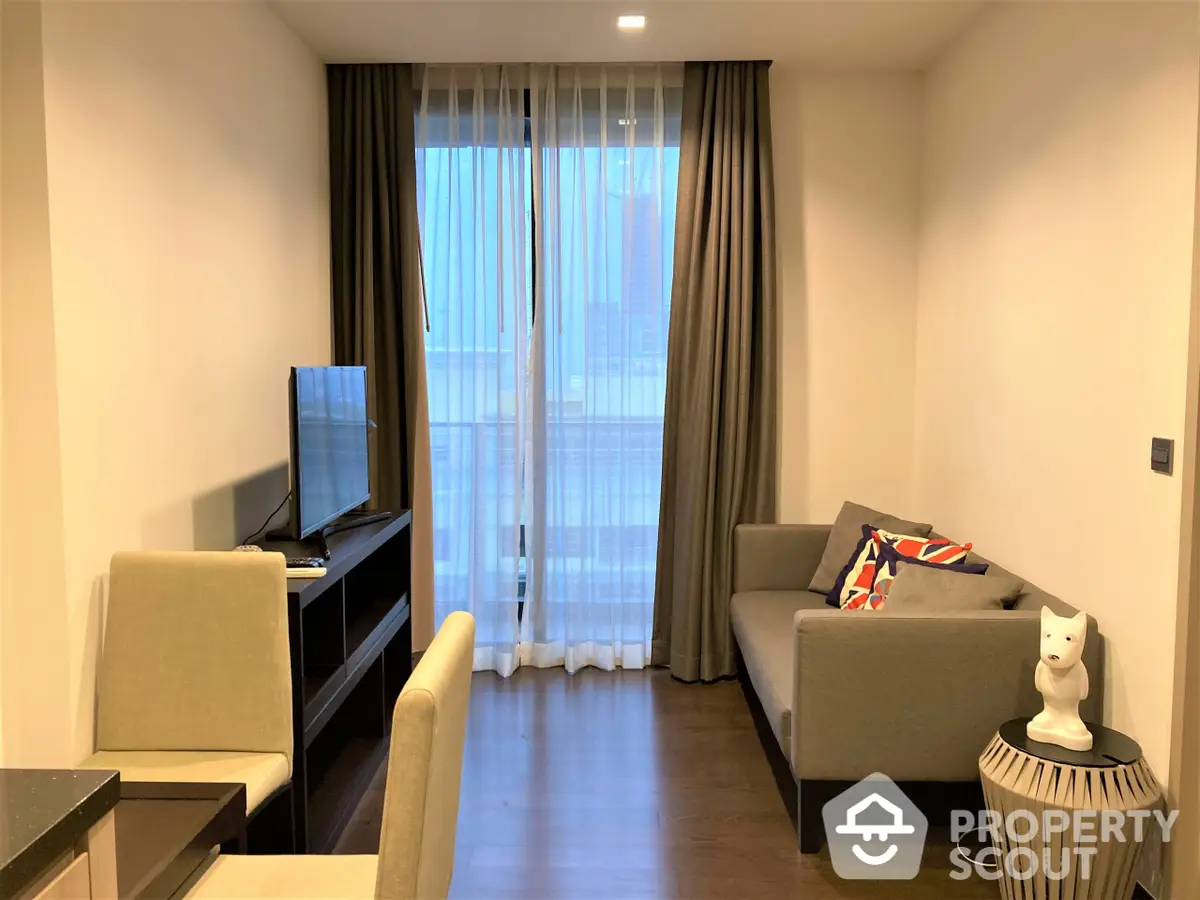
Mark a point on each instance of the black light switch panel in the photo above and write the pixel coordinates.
(1162, 455)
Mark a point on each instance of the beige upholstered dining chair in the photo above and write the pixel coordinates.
(420, 806)
(195, 679)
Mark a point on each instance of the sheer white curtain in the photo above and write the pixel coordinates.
(472, 174)
(605, 170)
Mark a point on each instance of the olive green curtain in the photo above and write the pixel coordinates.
(719, 438)
(377, 289)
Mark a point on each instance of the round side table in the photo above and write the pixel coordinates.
(1024, 776)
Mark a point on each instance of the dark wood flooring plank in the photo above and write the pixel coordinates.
(630, 786)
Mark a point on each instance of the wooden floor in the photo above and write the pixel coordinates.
(613, 785)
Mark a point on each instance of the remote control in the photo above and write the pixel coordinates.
(305, 562)
(307, 572)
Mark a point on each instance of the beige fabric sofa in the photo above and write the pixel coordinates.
(849, 693)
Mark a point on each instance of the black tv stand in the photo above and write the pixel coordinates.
(351, 652)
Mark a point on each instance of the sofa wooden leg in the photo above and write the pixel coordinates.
(810, 825)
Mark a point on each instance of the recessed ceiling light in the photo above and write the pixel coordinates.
(631, 23)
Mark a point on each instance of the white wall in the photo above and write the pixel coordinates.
(847, 162)
(1, 372)
(187, 191)
(1055, 264)
(34, 673)
(2, 210)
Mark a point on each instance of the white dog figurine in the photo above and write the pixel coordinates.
(1062, 679)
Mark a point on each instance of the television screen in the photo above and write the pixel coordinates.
(329, 444)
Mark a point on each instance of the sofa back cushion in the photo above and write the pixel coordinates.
(917, 588)
(875, 558)
(844, 538)
(1031, 597)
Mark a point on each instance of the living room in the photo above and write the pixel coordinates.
(964, 199)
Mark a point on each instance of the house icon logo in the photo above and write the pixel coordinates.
(874, 831)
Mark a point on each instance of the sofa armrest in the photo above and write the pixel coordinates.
(777, 557)
(914, 696)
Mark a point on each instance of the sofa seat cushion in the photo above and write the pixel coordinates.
(762, 624)
(288, 878)
(261, 773)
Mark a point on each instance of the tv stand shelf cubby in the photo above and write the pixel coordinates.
(351, 648)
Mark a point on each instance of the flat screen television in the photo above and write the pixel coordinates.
(328, 406)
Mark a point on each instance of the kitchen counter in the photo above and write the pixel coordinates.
(45, 815)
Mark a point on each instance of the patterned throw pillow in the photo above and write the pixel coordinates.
(856, 581)
(887, 566)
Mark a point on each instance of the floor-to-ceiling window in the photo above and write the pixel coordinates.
(548, 208)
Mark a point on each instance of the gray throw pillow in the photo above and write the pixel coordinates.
(941, 589)
(847, 532)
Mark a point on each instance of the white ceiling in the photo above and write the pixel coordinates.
(815, 33)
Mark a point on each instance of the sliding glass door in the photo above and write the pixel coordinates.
(606, 163)
(551, 190)
(474, 199)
